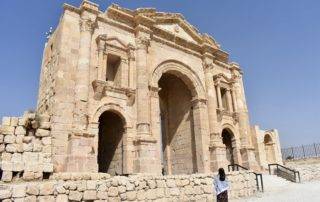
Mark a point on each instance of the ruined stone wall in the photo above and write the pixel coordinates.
(309, 168)
(25, 148)
(89, 187)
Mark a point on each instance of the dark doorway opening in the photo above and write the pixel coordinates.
(110, 145)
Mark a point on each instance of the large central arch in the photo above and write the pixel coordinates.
(182, 105)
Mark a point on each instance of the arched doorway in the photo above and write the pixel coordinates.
(110, 143)
(269, 149)
(177, 126)
(227, 140)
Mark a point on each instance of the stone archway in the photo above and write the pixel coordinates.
(110, 143)
(228, 140)
(193, 116)
(269, 149)
(177, 124)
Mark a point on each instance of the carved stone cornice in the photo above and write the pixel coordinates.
(100, 88)
(225, 113)
(199, 102)
(144, 140)
(218, 78)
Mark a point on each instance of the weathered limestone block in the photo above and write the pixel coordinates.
(30, 199)
(90, 195)
(102, 195)
(171, 183)
(9, 139)
(14, 121)
(11, 148)
(75, 196)
(32, 189)
(91, 184)
(46, 140)
(5, 193)
(131, 195)
(20, 130)
(6, 176)
(42, 133)
(46, 199)
(27, 139)
(62, 198)
(19, 191)
(7, 130)
(6, 121)
(113, 191)
(46, 188)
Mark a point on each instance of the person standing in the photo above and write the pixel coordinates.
(221, 185)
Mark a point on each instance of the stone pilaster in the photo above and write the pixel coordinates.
(145, 143)
(102, 59)
(216, 152)
(247, 149)
(143, 100)
(87, 26)
(202, 139)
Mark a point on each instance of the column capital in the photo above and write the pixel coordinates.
(143, 42)
(87, 25)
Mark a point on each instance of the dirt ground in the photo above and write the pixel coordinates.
(280, 190)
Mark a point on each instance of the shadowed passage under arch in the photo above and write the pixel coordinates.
(269, 149)
(110, 143)
(177, 126)
(228, 141)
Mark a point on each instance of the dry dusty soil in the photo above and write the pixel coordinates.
(280, 190)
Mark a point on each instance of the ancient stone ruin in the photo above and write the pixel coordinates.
(132, 100)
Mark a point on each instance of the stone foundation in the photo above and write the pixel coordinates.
(100, 187)
(309, 168)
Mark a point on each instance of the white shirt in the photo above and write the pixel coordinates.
(220, 186)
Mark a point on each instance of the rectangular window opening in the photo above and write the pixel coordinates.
(113, 64)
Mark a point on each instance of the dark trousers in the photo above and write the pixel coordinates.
(222, 197)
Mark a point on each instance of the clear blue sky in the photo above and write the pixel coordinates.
(276, 42)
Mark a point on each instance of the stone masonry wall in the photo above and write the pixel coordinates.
(25, 148)
(309, 168)
(100, 187)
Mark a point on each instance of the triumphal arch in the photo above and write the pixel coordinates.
(142, 91)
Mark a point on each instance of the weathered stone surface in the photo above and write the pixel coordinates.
(20, 130)
(90, 195)
(75, 196)
(46, 188)
(32, 189)
(113, 191)
(19, 191)
(9, 139)
(6, 176)
(42, 133)
(5, 193)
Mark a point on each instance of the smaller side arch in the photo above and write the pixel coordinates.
(113, 108)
